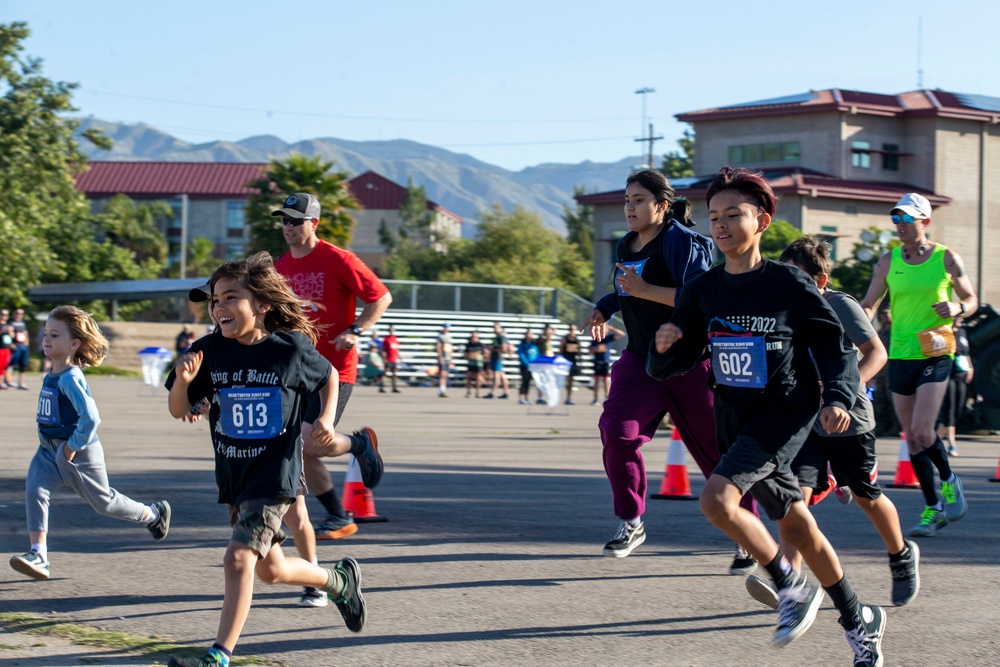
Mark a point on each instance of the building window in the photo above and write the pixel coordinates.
(860, 157)
(235, 215)
(890, 157)
(234, 251)
(851, 209)
(829, 234)
(176, 212)
(773, 152)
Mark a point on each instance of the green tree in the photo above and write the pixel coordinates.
(680, 164)
(580, 226)
(415, 251)
(201, 259)
(853, 274)
(39, 158)
(298, 173)
(778, 236)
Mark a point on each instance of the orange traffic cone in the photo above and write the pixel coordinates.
(358, 499)
(676, 485)
(997, 478)
(905, 478)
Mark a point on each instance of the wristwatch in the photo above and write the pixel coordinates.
(961, 308)
(354, 329)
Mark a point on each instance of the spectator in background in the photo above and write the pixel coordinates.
(6, 347)
(21, 352)
(390, 352)
(184, 340)
(569, 348)
(955, 394)
(499, 346)
(527, 351)
(474, 364)
(445, 350)
(546, 344)
(601, 351)
(375, 365)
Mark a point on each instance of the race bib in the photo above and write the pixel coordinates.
(740, 361)
(251, 413)
(937, 341)
(638, 266)
(48, 407)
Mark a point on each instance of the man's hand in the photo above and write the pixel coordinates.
(345, 341)
(666, 336)
(188, 366)
(947, 309)
(834, 419)
(596, 324)
(197, 411)
(68, 453)
(322, 434)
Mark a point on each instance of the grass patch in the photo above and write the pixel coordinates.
(112, 371)
(152, 647)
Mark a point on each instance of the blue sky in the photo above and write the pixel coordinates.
(514, 83)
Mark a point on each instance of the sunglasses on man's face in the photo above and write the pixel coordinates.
(906, 218)
(293, 222)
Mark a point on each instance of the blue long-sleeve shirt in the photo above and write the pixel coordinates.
(66, 410)
(527, 351)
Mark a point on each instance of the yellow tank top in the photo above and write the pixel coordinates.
(913, 290)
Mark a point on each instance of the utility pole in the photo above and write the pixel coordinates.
(642, 128)
(651, 139)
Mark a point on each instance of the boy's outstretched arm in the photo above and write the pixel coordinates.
(329, 394)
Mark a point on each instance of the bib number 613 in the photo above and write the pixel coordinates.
(249, 415)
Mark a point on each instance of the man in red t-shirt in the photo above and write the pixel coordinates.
(331, 280)
(390, 350)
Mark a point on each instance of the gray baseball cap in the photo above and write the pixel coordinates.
(300, 205)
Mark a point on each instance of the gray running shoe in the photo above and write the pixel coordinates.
(866, 638)
(906, 576)
(31, 564)
(626, 539)
(955, 506)
(931, 521)
(797, 607)
(313, 597)
(350, 602)
(763, 591)
(161, 526)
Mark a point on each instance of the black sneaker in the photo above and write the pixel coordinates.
(625, 540)
(743, 562)
(350, 603)
(161, 526)
(336, 528)
(797, 607)
(866, 639)
(31, 564)
(763, 591)
(906, 576)
(370, 461)
(313, 597)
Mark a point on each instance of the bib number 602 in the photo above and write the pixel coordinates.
(735, 363)
(255, 415)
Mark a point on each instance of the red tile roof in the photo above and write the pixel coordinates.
(376, 192)
(912, 103)
(169, 179)
(793, 181)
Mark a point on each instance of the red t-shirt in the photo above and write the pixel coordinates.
(390, 348)
(334, 278)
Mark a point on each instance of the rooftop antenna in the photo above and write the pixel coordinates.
(920, 42)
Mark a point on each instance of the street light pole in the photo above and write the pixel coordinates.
(645, 91)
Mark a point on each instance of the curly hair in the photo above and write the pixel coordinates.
(94, 347)
(257, 275)
(809, 253)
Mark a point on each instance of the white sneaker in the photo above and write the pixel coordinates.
(626, 539)
(313, 597)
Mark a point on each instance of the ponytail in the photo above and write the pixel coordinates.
(680, 210)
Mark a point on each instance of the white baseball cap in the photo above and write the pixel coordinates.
(914, 204)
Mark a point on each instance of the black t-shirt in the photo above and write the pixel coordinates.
(769, 331)
(257, 395)
(570, 348)
(642, 318)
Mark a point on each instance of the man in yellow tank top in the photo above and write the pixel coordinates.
(927, 286)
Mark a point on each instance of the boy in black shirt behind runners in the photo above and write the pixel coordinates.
(769, 331)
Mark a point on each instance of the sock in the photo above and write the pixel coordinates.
(330, 503)
(358, 444)
(938, 454)
(42, 551)
(781, 572)
(846, 601)
(314, 561)
(151, 516)
(924, 470)
(335, 582)
(220, 655)
(902, 555)
(634, 522)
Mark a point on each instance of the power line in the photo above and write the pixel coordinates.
(316, 114)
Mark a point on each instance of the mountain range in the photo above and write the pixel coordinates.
(459, 182)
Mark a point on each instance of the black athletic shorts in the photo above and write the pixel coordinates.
(851, 458)
(601, 368)
(752, 468)
(312, 403)
(905, 375)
